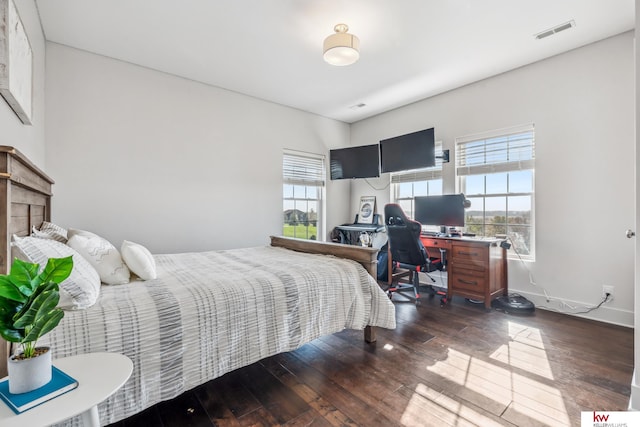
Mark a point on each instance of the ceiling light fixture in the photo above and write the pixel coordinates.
(341, 48)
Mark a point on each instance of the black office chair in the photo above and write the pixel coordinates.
(408, 252)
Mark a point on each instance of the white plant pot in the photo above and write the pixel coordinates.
(29, 374)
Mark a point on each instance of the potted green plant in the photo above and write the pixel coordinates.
(28, 310)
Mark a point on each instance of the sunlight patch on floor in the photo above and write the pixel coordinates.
(427, 407)
(527, 395)
(525, 350)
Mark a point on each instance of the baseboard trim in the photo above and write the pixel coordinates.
(605, 314)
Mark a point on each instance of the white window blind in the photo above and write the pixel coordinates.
(303, 168)
(497, 151)
(426, 174)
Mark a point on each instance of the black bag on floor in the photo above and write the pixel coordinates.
(383, 263)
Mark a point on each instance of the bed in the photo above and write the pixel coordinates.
(209, 313)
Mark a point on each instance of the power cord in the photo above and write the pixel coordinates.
(548, 297)
(524, 264)
(442, 282)
(589, 310)
(605, 299)
(375, 188)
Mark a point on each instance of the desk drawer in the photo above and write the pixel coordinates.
(436, 243)
(469, 280)
(471, 254)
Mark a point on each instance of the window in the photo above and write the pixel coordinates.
(420, 182)
(496, 173)
(303, 187)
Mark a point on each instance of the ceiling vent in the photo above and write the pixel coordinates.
(555, 30)
(358, 106)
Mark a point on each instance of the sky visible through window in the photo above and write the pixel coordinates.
(505, 183)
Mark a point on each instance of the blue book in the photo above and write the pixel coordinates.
(60, 383)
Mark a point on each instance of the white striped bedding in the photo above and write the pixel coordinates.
(209, 313)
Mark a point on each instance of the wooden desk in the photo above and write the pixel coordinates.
(477, 267)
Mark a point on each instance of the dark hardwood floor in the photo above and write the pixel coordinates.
(453, 366)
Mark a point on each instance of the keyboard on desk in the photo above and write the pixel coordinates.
(434, 234)
(428, 234)
(363, 227)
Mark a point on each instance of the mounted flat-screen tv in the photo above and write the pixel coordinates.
(355, 162)
(411, 151)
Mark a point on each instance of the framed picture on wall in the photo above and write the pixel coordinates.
(367, 209)
(16, 62)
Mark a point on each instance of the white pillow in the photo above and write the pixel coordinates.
(102, 255)
(78, 291)
(139, 260)
(75, 231)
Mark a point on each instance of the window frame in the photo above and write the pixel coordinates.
(519, 156)
(302, 169)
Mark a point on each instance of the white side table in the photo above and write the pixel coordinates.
(99, 375)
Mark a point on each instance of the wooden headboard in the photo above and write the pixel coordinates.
(25, 201)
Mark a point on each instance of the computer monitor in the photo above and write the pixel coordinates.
(445, 211)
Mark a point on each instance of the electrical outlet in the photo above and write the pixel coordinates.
(607, 290)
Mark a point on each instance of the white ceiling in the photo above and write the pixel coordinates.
(272, 49)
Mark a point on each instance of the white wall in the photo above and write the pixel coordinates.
(170, 163)
(582, 105)
(28, 139)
